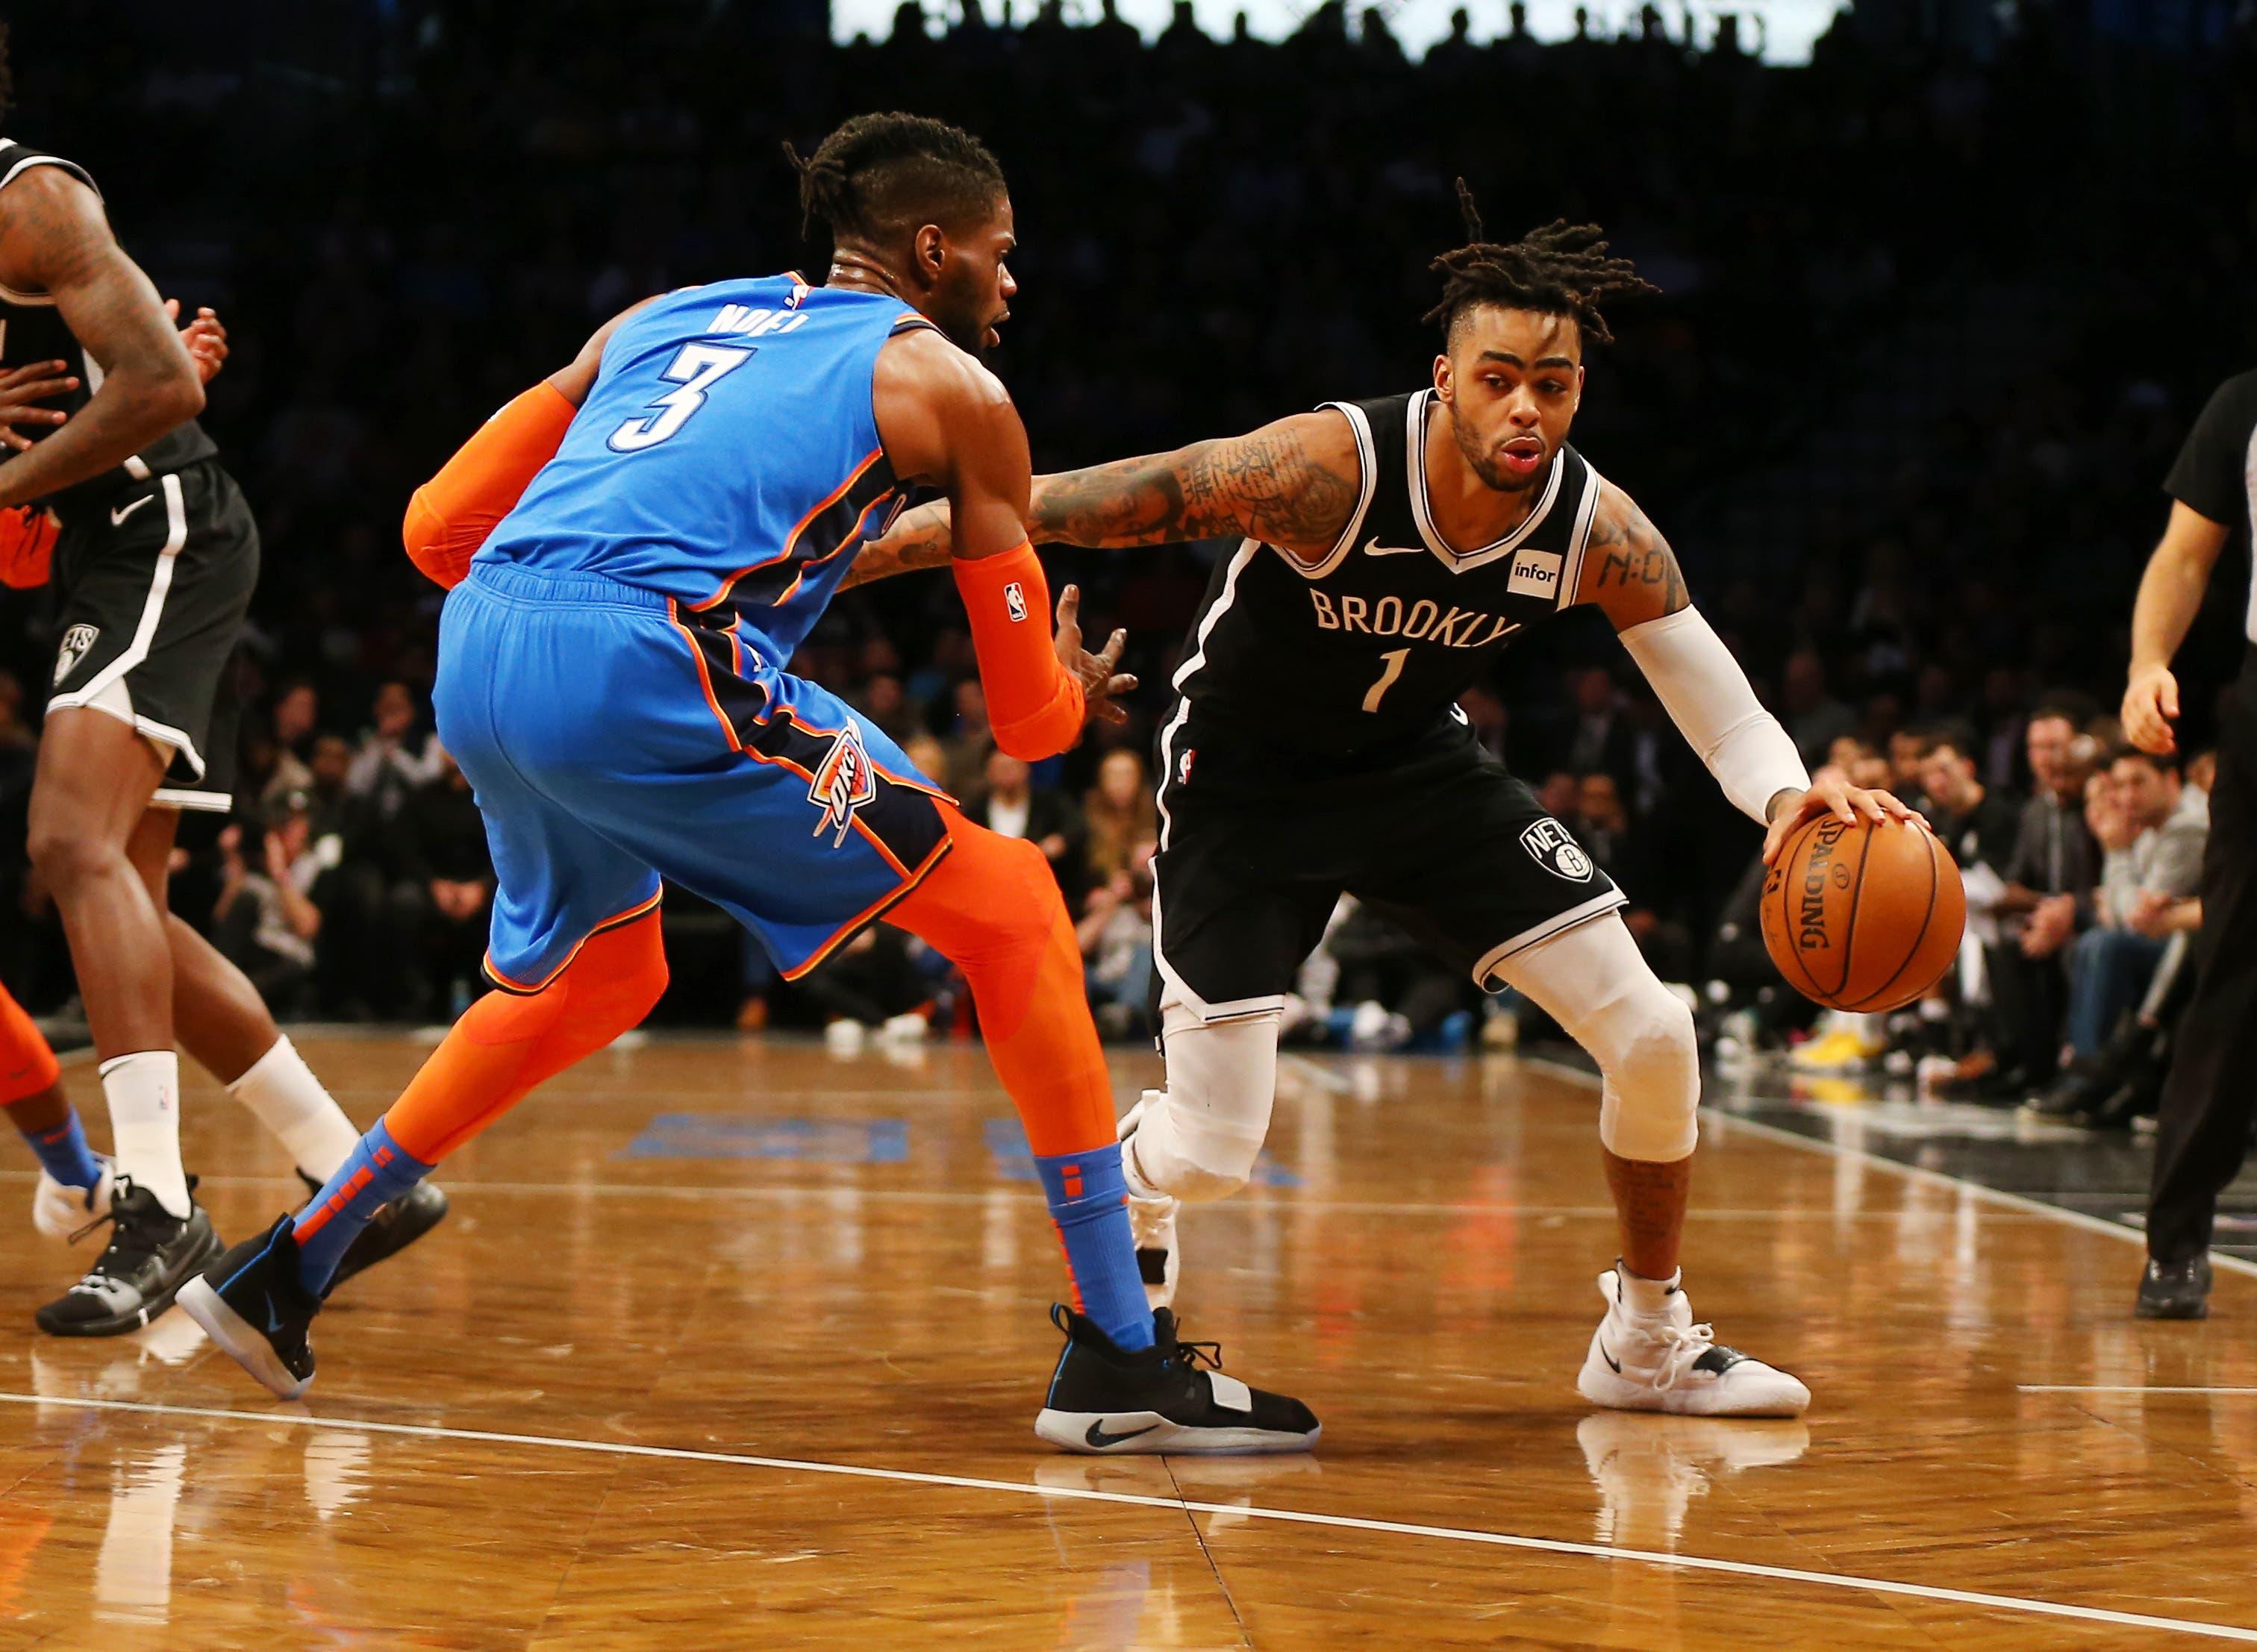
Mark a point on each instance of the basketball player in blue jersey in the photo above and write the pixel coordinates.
(655, 528)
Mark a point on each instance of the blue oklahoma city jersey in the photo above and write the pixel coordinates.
(611, 671)
(727, 456)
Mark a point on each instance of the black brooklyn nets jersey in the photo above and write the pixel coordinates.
(1376, 642)
(32, 331)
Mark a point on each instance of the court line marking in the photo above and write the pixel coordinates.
(1243, 1511)
(1913, 1172)
(2115, 1387)
(1282, 1201)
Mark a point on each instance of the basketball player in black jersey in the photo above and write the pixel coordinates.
(153, 558)
(1390, 548)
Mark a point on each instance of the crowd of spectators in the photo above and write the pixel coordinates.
(1929, 330)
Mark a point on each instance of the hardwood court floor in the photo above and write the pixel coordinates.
(738, 1344)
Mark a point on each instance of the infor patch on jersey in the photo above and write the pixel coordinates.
(1536, 574)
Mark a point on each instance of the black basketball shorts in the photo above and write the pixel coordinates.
(1257, 847)
(152, 583)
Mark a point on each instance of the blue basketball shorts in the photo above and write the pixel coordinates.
(612, 741)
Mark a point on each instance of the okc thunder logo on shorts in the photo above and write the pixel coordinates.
(1555, 852)
(844, 782)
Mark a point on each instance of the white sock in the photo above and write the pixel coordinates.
(1644, 1296)
(143, 1092)
(282, 1090)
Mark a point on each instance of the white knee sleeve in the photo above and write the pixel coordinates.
(1595, 983)
(1198, 1139)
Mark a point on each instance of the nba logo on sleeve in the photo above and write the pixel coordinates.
(1555, 852)
(843, 783)
(1015, 601)
(1535, 574)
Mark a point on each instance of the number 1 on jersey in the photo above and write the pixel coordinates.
(696, 368)
(1395, 659)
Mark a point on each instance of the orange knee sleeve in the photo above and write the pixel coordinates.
(993, 909)
(507, 1042)
(27, 1064)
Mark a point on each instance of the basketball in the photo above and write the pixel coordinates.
(1862, 917)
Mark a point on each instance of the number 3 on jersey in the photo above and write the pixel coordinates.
(697, 368)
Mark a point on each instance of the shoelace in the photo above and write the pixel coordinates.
(120, 1186)
(1685, 1343)
(1195, 1354)
(130, 1242)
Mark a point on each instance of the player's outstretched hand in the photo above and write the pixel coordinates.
(206, 338)
(2151, 702)
(1830, 795)
(21, 389)
(1100, 681)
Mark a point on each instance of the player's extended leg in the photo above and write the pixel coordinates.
(504, 1044)
(74, 1181)
(221, 1021)
(96, 774)
(1126, 1383)
(1647, 1355)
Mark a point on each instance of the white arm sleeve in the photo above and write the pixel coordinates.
(1707, 696)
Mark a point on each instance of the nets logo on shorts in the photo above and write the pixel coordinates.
(1555, 852)
(76, 641)
(844, 782)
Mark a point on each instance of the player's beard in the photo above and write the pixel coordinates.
(1492, 474)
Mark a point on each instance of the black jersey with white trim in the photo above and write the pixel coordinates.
(1375, 642)
(32, 330)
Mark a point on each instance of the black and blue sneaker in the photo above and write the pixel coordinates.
(391, 1230)
(1172, 1397)
(253, 1306)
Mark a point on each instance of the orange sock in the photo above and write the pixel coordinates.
(994, 910)
(27, 1064)
(507, 1042)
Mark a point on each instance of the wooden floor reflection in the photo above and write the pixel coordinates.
(739, 1343)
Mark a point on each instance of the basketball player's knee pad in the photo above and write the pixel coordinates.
(1650, 1064)
(1197, 1139)
(1593, 981)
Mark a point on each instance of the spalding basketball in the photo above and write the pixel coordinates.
(1862, 917)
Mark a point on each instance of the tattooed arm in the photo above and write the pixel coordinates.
(1293, 484)
(55, 239)
(1628, 569)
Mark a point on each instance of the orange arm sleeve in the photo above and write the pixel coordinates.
(27, 543)
(1035, 706)
(452, 514)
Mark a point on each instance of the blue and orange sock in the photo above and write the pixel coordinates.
(1088, 1201)
(378, 1172)
(63, 1151)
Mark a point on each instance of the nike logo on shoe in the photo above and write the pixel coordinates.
(273, 1319)
(1613, 1364)
(1099, 1438)
(118, 513)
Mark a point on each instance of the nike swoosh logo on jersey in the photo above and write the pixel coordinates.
(1373, 548)
(1098, 1437)
(118, 513)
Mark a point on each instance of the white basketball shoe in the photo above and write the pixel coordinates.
(58, 1212)
(1662, 1361)
(1151, 1217)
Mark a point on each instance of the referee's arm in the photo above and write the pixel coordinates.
(2170, 593)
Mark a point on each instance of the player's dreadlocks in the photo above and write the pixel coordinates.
(1561, 269)
(878, 173)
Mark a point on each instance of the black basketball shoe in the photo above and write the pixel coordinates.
(151, 1254)
(2173, 1290)
(1172, 1397)
(393, 1229)
(251, 1305)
